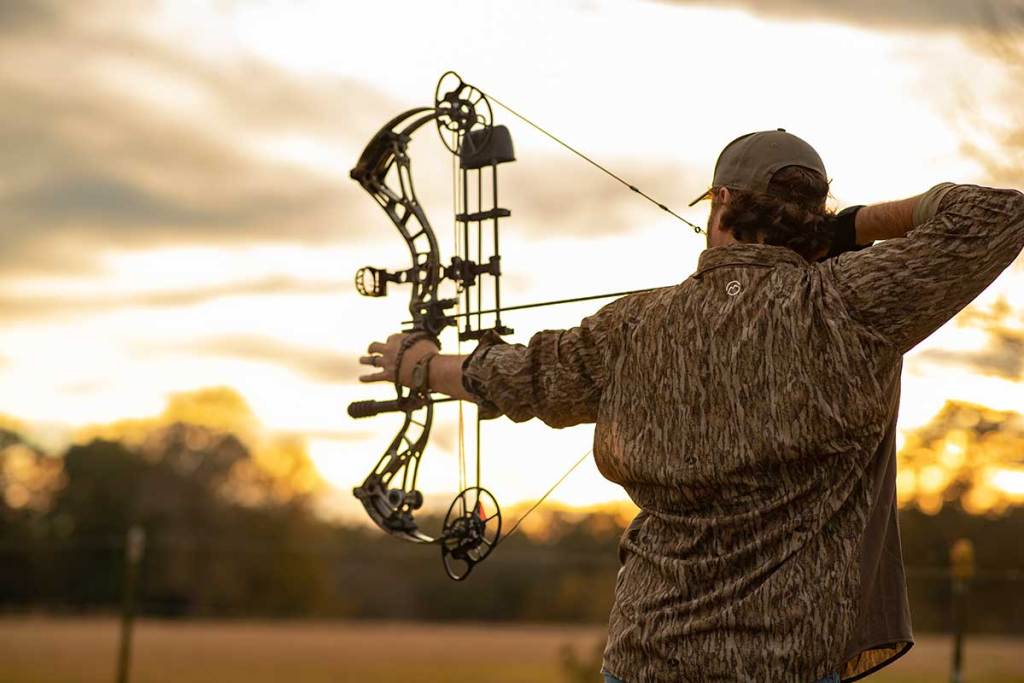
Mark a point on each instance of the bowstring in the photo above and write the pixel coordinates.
(460, 429)
(479, 292)
(696, 228)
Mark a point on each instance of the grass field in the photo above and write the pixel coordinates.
(52, 650)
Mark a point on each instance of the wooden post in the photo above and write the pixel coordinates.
(961, 560)
(135, 546)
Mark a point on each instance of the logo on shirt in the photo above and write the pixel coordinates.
(733, 288)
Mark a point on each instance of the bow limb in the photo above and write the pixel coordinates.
(389, 493)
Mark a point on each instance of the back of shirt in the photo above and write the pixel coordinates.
(741, 414)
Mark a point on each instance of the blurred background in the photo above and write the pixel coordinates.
(179, 331)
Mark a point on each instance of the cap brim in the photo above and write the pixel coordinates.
(706, 195)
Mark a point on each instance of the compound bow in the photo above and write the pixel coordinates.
(462, 114)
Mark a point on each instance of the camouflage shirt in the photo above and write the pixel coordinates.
(750, 413)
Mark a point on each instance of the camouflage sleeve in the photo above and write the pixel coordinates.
(558, 377)
(906, 288)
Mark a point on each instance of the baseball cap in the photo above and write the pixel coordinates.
(749, 162)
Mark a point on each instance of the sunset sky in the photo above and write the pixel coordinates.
(176, 211)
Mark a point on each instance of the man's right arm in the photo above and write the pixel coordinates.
(940, 250)
(895, 219)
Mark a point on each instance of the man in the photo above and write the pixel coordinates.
(750, 412)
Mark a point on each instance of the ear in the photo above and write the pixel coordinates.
(722, 195)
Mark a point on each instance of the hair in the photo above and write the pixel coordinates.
(791, 214)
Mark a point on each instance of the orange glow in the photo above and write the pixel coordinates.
(281, 458)
(968, 453)
(27, 477)
(1010, 482)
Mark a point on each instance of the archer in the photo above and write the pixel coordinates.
(750, 412)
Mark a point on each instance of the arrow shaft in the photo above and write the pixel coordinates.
(554, 302)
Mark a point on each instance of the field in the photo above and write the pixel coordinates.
(51, 650)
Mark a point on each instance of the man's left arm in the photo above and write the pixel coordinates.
(558, 377)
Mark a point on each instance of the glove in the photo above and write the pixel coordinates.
(844, 232)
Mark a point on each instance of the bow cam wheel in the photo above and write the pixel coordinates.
(472, 529)
(461, 109)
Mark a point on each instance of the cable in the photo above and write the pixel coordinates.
(546, 494)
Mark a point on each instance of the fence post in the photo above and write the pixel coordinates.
(961, 560)
(135, 546)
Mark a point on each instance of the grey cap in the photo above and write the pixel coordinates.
(749, 162)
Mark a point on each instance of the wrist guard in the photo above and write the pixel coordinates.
(844, 232)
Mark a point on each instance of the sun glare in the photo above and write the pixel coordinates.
(1010, 482)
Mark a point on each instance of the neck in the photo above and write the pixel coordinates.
(723, 238)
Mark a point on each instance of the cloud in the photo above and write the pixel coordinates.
(333, 435)
(22, 16)
(1003, 355)
(593, 204)
(991, 16)
(1002, 163)
(82, 388)
(95, 151)
(100, 173)
(316, 364)
(21, 307)
(1004, 358)
(93, 198)
(110, 138)
(998, 148)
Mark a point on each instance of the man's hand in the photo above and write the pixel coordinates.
(384, 355)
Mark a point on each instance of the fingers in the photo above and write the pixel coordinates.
(382, 355)
(384, 375)
(394, 341)
(376, 377)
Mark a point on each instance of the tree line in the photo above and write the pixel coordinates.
(223, 541)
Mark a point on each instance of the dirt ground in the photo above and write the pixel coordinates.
(62, 650)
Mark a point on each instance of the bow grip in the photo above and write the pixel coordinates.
(359, 409)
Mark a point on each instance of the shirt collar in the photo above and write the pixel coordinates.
(744, 254)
